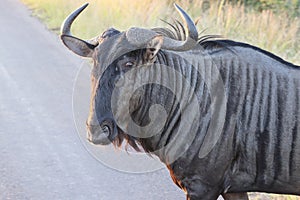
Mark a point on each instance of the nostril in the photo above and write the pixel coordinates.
(106, 130)
(100, 133)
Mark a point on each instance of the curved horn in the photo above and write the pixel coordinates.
(140, 37)
(188, 23)
(80, 47)
(66, 26)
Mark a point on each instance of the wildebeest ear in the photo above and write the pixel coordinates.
(153, 47)
(78, 46)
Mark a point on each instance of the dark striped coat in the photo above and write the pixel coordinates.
(259, 148)
(223, 116)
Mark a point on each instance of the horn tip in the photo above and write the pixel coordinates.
(66, 25)
(177, 6)
(85, 5)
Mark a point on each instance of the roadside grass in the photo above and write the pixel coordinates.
(278, 33)
(264, 196)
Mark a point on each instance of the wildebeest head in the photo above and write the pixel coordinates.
(114, 53)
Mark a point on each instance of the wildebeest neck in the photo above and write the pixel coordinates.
(184, 96)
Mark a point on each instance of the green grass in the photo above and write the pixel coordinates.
(278, 33)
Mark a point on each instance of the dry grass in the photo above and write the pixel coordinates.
(276, 33)
(262, 196)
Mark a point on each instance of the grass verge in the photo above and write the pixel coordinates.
(278, 33)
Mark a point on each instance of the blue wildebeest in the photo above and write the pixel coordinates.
(223, 116)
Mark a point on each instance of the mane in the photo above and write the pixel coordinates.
(214, 42)
(177, 32)
(217, 44)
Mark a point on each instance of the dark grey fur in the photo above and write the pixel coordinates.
(259, 146)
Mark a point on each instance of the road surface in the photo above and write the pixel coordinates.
(41, 155)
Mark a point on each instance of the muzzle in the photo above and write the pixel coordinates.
(103, 133)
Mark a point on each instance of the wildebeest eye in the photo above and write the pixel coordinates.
(129, 64)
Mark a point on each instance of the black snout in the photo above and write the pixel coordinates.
(102, 133)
